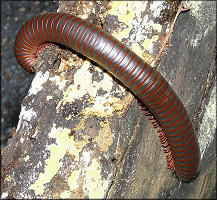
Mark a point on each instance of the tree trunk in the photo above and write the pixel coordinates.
(72, 140)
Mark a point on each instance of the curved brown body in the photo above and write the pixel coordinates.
(176, 133)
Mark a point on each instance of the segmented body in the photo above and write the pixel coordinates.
(176, 131)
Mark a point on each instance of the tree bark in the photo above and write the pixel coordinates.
(72, 141)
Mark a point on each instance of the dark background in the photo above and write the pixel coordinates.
(15, 81)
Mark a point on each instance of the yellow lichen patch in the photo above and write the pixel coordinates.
(136, 48)
(9, 178)
(64, 63)
(61, 82)
(148, 58)
(149, 43)
(125, 14)
(123, 10)
(63, 144)
(101, 106)
(157, 27)
(83, 84)
(85, 9)
(65, 195)
(114, 104)
(104, 107)
(95, 184)
(73, 184)
(105, 139)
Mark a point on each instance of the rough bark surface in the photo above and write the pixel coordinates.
(72, 141)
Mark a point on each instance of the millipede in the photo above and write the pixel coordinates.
(168, 114)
